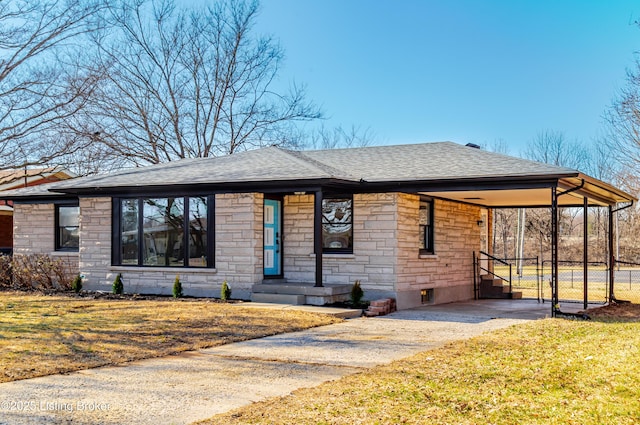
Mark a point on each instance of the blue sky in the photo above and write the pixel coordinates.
(465, 71)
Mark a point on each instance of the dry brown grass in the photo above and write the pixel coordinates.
(549, 371)
(42, 335)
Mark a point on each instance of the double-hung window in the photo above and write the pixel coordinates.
(163, 232)
(425, 225)
(67, 222)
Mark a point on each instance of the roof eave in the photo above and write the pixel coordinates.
(271, 186)
(274, 186)
(473, 183)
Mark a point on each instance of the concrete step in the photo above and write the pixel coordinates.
(491, 288)
(491, 281)
(344, 313)
(487, 290)
(301, 288)
(496, 289)
(274, 281)
(278, 298)
(300, 293)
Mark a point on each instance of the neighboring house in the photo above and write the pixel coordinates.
(13, 179)
(300, 226)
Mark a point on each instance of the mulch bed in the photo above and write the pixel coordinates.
(622, 312)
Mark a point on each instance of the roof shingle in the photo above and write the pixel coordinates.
(426, 161)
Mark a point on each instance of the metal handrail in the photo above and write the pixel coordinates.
(628, 263)
(491, 257)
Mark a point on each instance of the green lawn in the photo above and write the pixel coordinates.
(550, 371)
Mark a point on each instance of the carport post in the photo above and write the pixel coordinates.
(585, 251)
(554, 251)
(317, 236)
(612, 257)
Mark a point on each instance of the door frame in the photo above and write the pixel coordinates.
(278, 236)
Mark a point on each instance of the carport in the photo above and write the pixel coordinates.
(572, 189)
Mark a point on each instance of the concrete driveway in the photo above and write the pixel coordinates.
(196, 385)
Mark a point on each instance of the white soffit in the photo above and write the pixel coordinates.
(514, 198)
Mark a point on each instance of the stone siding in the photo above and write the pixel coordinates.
(34, 233)
(238, 239)
(374, 233)
(95, 244)
(238, 252)
(385, 259)
(449, 271)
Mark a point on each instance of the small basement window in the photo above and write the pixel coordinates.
(426, 296)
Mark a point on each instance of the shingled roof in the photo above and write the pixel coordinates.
(427, 161)
(427, 168)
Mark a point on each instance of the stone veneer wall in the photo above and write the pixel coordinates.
(238, 251)
(34, 233)
(373, 258)
(449, 271)
(239, 233)
(386, 259)
(386, 256)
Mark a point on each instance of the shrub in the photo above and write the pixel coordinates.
(356, 294)
(177, 287)
(76, 285)
(39, 272)
(118, 286)
(6, 271)
(225, 291)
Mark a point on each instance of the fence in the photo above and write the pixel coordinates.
(627, 281)
(571, 287)
(533, 279)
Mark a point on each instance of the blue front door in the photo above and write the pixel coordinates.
(272, 238)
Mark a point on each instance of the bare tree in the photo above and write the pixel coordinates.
(190, 83)
(41, 85)
(623, 118)
(498, 146)
(338, 137)
(504, 231)
(551, 147)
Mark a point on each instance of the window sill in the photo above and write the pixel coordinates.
(334, 255)
(177, 270)
(64, 254)
(428, 256)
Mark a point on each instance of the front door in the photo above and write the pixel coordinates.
(272, 238)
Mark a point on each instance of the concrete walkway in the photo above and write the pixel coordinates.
(197, 385)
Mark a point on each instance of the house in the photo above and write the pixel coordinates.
(297, 226)
(13, 179)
